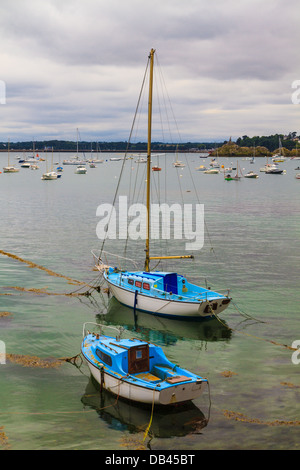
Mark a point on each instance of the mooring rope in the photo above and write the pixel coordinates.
(151, 416)
(248, 334)
(33, 290)
(37, 266)
(92, 285)
(246, 315)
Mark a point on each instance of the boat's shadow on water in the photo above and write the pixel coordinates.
(123, 415)
(163, 330)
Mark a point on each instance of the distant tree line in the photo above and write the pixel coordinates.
(122, 146)
(270, 142)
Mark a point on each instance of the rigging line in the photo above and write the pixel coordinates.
(247, 315)
(206, 227)
(161, 240)
(165, 99)
(137, 197)
(124, 159)
(205, 223)
(163, 86)
(167, 108)
(158, 75)
(93, 285)
(139, 111)
(132, 197)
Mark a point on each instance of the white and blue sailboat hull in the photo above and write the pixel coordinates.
(201, 303)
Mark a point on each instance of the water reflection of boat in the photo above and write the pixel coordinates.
(164, 330)
(122, 415)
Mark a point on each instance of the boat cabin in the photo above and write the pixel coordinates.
(165, 285)
(138, 359)
(126, 356)
(171, 283)
(130, 356)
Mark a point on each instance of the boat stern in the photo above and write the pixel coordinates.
(183, 389)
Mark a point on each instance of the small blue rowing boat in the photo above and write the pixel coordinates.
(137, 370)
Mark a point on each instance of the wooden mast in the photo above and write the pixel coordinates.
(147, 250)
(147, 260)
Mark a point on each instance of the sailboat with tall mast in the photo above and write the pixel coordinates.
(178, 163)
(237, 176)
(75, 161)
(166, 294)
(9, 168)
(279, 157)
(49, 175)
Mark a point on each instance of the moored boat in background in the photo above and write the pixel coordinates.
(251, 174)
(81, 170)
(10, 168)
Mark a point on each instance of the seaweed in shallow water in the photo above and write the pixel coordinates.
(245, 419)
(34, 361)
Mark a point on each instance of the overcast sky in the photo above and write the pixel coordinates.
(228, 66)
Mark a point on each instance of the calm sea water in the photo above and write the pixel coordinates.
(253, 227)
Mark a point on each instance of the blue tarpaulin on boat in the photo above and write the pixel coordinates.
(170, 283)
(170, 280)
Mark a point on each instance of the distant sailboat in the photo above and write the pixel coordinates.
(274, 170)
(75, 161)
(49, 175)
(92, 160)
(81, 170)
(177, 163)
(9, 168)
(251, 174)
(141, 160)
(237, 176)
(212, 171)
(279, 157)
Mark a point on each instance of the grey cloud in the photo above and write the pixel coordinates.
(84, 61)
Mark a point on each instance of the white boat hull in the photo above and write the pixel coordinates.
(167, 307)
(10, 169)
(49, 176)
(175, 394)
